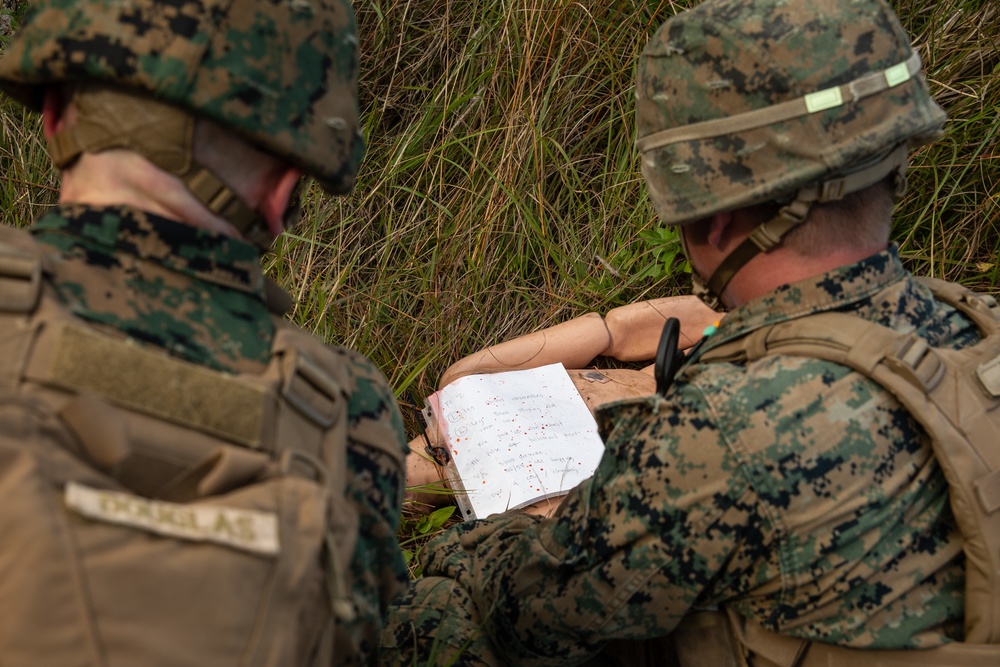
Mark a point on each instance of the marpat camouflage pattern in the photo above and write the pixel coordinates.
(192, 292)
(282, 74)
(793, 490)
(723, 61)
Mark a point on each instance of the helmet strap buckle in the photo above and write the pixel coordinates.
(769, 234)
(833, 190)
(701, 290)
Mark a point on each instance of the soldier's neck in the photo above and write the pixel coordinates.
(124, 178)
(768, 271)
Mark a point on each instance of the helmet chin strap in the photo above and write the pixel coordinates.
(763, 239)
(110, 118)
(221, 200)
(700, 289)
(769, 234)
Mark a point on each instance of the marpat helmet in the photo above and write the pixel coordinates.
(281, 74)
(741, 102)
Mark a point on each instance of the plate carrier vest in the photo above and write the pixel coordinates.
(955, 396)
(115, 455)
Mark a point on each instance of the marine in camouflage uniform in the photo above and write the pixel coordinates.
(283, 77)
(792, 492)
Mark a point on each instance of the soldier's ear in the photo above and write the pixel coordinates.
(275, 201)
(720, 230)
(53, 111)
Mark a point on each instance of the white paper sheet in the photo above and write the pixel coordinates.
(516, 437)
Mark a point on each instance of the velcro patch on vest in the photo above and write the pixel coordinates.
(246, 530)
(150, 382)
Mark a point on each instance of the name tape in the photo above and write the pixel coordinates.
(247, 530)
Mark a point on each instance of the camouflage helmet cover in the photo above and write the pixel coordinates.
(746, 101)
(281, 73)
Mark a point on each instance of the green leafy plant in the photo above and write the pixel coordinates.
(664, 245)
(419, 530)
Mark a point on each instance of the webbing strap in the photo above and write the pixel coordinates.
(220, 199)
(309, 389)
(21, 273)
(764, 238)
(315, 387)
(860, 88)
(149, 381)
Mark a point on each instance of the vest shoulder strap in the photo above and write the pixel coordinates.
(22, 264)
(953, 394)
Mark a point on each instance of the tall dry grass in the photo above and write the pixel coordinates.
(499, 193)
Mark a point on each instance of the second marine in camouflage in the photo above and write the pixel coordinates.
(796, 494)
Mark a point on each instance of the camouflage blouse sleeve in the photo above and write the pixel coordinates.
(375, 454)
(631, 550)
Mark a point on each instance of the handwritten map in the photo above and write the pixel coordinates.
(516, 437)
